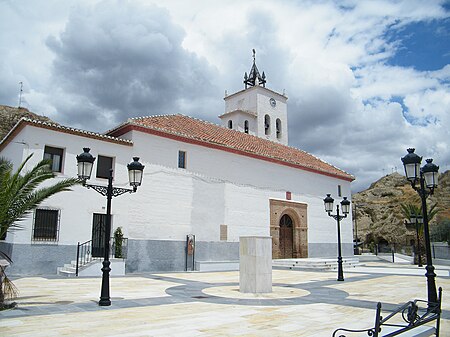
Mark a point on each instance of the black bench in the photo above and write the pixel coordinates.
(407, 320)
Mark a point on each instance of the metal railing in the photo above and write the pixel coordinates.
(388, 252)
(440, 250)
(117, 250)
(84, 254)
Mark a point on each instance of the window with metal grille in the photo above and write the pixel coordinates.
(104, 164)
(46, 225)
(182, 159)
(56, 156)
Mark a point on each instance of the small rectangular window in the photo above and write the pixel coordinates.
(46, 225)
(182, 159)
(339, 191)
(56, 156)
(104, 164)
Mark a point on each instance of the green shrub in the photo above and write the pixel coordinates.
(118, 240)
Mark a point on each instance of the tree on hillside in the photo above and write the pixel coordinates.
(409, 210)
(19, 196)
(412, 210)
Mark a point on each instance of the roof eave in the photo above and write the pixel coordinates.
(252, 88)
(185, 138)
(237, 111)
(59, 128)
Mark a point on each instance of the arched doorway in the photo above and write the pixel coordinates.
(286, 237)
(289, 228)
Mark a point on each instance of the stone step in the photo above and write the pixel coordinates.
(93, 268)
(70, 269)
(61, 271)
(315, 263)
(216, 265)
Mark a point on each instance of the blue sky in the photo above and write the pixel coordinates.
(423, 45)
(365, 79)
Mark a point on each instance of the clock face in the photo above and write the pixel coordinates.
(273, 103)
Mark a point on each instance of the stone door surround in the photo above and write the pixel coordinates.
(298, 213)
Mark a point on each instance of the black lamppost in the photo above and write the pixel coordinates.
(427, 177)
(356, 248)
(417, 220)
(345, 204)
(135, 172)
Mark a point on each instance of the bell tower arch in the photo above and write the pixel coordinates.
(256, 109)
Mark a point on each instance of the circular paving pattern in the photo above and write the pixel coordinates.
(233, 292)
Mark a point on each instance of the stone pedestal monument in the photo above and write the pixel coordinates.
(255, 264)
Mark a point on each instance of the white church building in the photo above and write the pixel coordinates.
(217, 182)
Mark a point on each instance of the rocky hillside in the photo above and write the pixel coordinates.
(378, 210)
(9, 116)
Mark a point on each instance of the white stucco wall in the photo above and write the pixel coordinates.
(279, 111)
(238, 119)
(76, 207)
(245, 185)
(216, 188)
(256, 99)
(242, 100)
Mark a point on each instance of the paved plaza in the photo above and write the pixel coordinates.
(303, 303)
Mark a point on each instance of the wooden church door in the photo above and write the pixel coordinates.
(286, 237)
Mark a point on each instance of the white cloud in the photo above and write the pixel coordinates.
(387, 81)
(117, 59)
(123, 60)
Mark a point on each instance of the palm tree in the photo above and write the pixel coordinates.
(19, 196)
(409, 210)
(412, 210)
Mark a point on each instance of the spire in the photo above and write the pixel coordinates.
(254, 78)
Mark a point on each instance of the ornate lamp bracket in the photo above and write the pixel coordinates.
(336, 217)
(103, 190)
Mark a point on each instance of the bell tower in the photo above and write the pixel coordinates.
(256, 109)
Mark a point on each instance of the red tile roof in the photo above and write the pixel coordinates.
(192, 130)
(60, 128)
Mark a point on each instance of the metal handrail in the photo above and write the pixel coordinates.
(84, 252)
